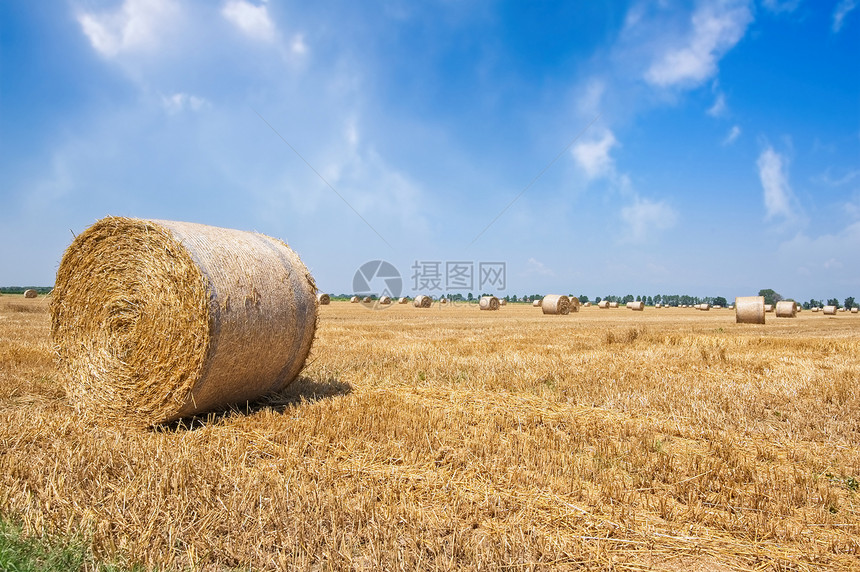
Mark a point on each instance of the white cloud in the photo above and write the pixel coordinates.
(733, 134)
(644, 215)
(828, 252)
(593, 155)
(182, 101)
(134, 26)
(719, 107)
(778, 6)
(842, 10)
(536, 267)
(778, 197)
(251, 19)
(715, 29)
(299, 47)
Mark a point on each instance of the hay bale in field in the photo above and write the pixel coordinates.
(536, 303)
(749, 310)
(704, 307)
(422, 301)
(829, 310)
(443, 301)
(613, 304)
(638, 306)
(488, 303)
(574, 304)
(30, 293)
(323, 299)
(503, 302)
(586, 305)
(367, 300)
(385, 300)
(816, 309)
(768, 308)
(603, 304)
(555, 304)
(717, 307)
(842, 309)
(354, 300)
(157, 320)
(855, 310)
(786, 309)
(403, 300)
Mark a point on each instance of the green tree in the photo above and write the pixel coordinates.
(720, 301)
(833, 302)
(849, 302)
(770, 296)
(583, 298)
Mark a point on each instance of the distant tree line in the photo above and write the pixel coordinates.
(21, 289)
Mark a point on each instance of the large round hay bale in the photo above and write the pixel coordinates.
(816, 309)
(830, 310)
(786, 309)
(638, 306)
(488, 303)
(536, 303)
(157, 320)
(403, 300)
(603, 304)
(613, 304)
(855, 310)
(422, 301)
(704, 307)
(354, 300)
(323, 299)
(385, 300)
(30, 293)
(842, 309)
(574, 304)
(749, 310)
(555, 304)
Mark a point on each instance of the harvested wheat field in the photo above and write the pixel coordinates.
(452, 438)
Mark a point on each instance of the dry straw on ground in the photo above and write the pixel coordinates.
(30, 293)
(830, 310)
(638, 306)
(323, 299)
(157, 320)
(749, 310)
(422, 301)
(488, 303)
(556, 304)
(786, 309)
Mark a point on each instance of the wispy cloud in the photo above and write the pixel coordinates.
(842, 9)
(779, 6)
(535, 267)
(732, 135)
(643, 216)
(135, 25)
(593, 156)
(778, 196)
(251, 19)
(181, 101)
(718, 109)
(715, 29)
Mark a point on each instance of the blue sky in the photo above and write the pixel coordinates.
(724, 158)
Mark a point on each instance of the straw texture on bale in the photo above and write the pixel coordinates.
(403, 300)
(30, 294)
(638, 306)
(157, 320)
(574, 304)
(603, 304)
(323, 299)
(555, 304)
(536, 303)
(786, 309)
(488, 303)
(749, 310)
(354, 300)
(385, 300)
(422, 301)
(830, 310)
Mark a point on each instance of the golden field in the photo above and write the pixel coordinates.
(450, 438)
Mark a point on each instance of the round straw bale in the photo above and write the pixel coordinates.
(638, 306)
(157, 320)
(323, 299)
(443, 300)
(768, 308)
(354, 300)
(536, 303)
(704, 307)
(30, 293)
(603, 304)
(403, 300)
(786, 309)
(842, 309)
(385, 300)
(830, 310)
(613, 304)
(749, 310)
(587, 305)
(555, 304)
(367, 300)
(488, 303)
(503, 302)
(422, 301)
(816, 309)
(855, 310)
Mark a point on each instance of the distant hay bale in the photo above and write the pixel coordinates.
(443, 301)
(385, 300)
(603, 304)
(786, 309)
(536, 303)
(555, 304)
(30, 293)
(157, 320)
(768, 308)
(422, 301)
(704, 307)
(323, 299)
(730, 307)
(489, 303)
(749, 310)
(367, 300)
(613, 304)
(816, 309)
(855, 310)
(503, 302)
(354, 300)
(638, 306)
(717, 307)
(403, 300)
(586, 305)
(658, 305)
(830, 310)
(842, 309)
